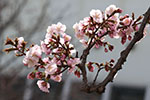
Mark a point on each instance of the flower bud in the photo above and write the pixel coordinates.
(31, 76)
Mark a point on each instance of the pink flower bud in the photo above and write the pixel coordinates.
(112, 61)
(107, 68)
(111, 47)
(39, 75)
(129, 37)
(31, 75)
(123, 40)
(77, 73)
(106, 50)
(90, 67)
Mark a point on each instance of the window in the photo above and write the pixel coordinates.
(127, 93)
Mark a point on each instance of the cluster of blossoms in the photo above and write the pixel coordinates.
(59, 52)
(99, 23)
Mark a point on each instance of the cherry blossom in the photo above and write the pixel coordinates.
(73, 62)
(66, 37)
(110, 9)
(127, 21)
(20, 41)
(56, 78)
(32, 56)
(60, 28)
(45, 49)
(44, 86)
(96, 15)
(78, 28)
(51, 68)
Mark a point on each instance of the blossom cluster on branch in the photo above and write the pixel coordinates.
(56, 54)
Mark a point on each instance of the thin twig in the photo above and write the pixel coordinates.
(97, 75)
(61, 71)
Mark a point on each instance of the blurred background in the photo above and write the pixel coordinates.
(30, 19)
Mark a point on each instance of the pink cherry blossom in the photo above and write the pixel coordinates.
(110, 9)
(127, 21)
(51, 68)
(32, 56)
(44, 86)
(30, 61)
(129, 30)
(20, 41)
(60, 28)
(56, 78)
(115, 34)
(62, 40)
(35, 51)
(48, 38)
(51, 29)
(71, 69)
(96, 15)
(73, 62)
(45, 49)
(55, 29)
(78, 27)
(66, 37)
(46, 60)
(58, 63)
(56, 50)
(79, 35)
(86, 21)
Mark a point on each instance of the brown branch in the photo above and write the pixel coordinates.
(57, 73)
(87, 50)
(100, 88)
(97, 75)
(84, 58)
